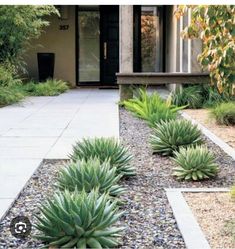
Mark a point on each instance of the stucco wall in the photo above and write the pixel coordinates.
(60, 42)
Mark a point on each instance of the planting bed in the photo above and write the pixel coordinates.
(148, 219)
(39, 187)
(215, 215)
(147, 206)
(226, 133)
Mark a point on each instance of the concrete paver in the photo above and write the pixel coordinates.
(46, 128)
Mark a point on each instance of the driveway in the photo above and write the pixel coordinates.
(45, 128)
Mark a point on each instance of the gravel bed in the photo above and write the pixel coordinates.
(39, 187)
(149, 220)
(149, 217)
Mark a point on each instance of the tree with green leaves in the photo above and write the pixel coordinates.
(215, 26)
(18, 25)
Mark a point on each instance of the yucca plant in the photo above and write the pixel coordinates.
(79, 220)
(194, 163)
(104, 149)
(88, 175)
(170, 136)
(151, 107)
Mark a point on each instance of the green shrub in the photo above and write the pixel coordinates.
(151, 107)
(212, 97)
(105, 149)
(194, 164)
(79, 220)
(90, 175)
(28, 88)
(9, 92)
(48, 88)
(188, 96)
(6, 77)
(224, 113)
(10, 95)
(199, 96)
(174, 134)
(20, 24)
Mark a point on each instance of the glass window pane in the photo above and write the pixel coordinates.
(150, 39)
(89, 46)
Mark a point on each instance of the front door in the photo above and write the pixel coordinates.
(109, 44)
(98, 45)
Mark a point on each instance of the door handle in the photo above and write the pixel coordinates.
(105, 50)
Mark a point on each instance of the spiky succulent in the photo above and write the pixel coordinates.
(195, 164)
(105, 149)
(79, 220)
(89, 175)
(174, 134)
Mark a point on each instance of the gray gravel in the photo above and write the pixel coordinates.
(149, 220)
(39, 187)
(149, 217)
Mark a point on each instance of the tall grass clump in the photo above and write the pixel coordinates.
(188, 96)
(51, 87)
(224, 113)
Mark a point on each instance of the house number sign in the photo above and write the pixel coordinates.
(64, 27)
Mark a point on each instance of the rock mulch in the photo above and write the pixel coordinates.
(151, 223)
(39, 187)
(149, 220)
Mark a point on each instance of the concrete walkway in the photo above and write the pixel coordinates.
(45, 128)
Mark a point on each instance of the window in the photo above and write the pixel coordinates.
(151, 38)
(89, 44)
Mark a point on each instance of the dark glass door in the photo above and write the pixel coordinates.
(109, 44)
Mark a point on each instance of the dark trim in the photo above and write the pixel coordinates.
(163, 34)
(76, 44)
(137, 38)
(101, 45)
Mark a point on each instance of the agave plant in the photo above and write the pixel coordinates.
(170, 136)
(79, 220)
(105, 149)
(89, 175)
(151, 107)
(196, 163)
